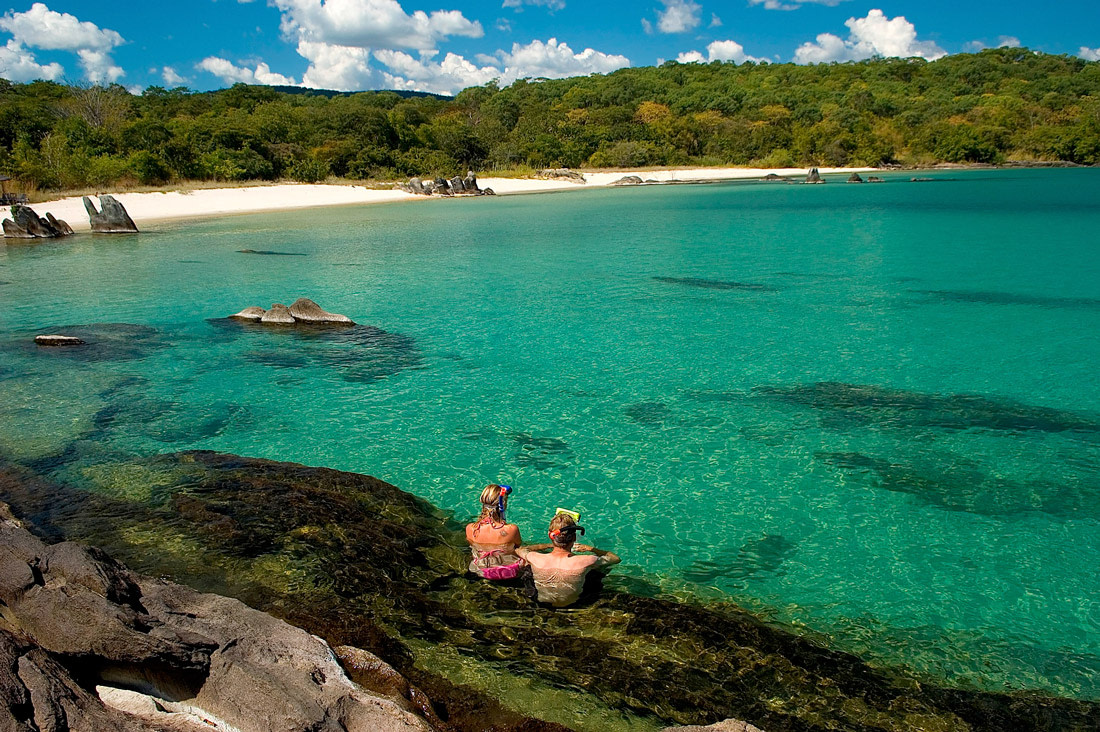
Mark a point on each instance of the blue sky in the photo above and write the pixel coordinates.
(446, 45)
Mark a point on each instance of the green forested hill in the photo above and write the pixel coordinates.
(986, 107)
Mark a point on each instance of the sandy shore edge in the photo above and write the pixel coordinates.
(145, 208)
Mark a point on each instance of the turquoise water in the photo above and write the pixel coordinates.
(870, 413)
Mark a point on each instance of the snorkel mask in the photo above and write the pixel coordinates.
(556, 533)
(505, 490)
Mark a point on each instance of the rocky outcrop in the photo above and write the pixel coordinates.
(875, 179)
(86, 644)
(728, 725)
(111, 218)
(58, 340)
(855, 178)
(252, 313)
(26, 224)
(560, 174)
(773, 176)
(303, 311)
(457, 186)
(278, 314)
(628, 180)
(814, 177)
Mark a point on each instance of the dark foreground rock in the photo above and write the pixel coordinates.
(82, 635)
(363, 564)
(855, 178)
(26, 224)
(111, 218)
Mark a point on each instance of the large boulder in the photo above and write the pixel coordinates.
(814, 177)
(58, 340)
(628, 180)
(855, 178)
(278, 314)
(72, 612)
(443, 187)
(62, 227)
(111, 218)
(470, 182)
(14, 231)
(305, 310)
(457, 186)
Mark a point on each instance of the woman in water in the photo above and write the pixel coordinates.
(492, 539)
(559, 576)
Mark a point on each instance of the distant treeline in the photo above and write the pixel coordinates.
(999, 104)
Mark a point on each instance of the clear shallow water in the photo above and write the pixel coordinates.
(798, 444)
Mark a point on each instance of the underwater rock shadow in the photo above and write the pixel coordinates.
(358, 353)
(887, 407)
(964, 488)
(538, 452)
(649, 414)
(764, 555)
(1010, 298)
(377, 568)
(706, 284)
(102, 342)
(270, 253)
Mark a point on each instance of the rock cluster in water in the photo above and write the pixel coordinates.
(86, 644)
(26, 224)
(457, 186)
(111, 218)
(303, 311)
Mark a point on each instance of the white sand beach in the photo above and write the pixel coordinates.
(159, 206)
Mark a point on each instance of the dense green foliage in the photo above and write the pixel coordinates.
(986, 107)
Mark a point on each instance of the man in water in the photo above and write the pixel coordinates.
(559, 575)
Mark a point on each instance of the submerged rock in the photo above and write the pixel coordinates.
(875, 179)
(224, 662)
(111, 218)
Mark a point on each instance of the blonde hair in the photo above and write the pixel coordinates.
(490, 506)
(561, 523)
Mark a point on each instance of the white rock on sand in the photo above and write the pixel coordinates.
(205, 203)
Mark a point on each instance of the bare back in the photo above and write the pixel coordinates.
(559, 576)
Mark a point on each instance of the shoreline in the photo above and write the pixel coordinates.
(215, 202)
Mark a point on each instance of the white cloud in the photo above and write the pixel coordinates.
(171, 77)
(230, 73)
(793, 4)
(345, 68)
(43, 28)
(556, 60)
(537, 59)
(503, 25)
(715, 21)
(446, 77)
(720, 51)
(874, 35)
(371, 24)
(1008, 42)
(19, 64)
(679, 16)
(551, 4)
(1089, 54)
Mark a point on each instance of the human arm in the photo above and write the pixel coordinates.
(604, 557)
(522, 551)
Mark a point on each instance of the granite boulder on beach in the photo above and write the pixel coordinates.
(111, 218)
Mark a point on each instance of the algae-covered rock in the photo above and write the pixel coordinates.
(364, 564)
